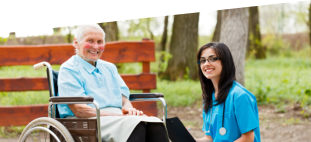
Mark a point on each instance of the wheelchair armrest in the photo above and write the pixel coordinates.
(72, 99)
(146, 95)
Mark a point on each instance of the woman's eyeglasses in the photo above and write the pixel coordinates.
(210, 60)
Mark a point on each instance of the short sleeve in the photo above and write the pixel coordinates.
(69, 84)
(124, 89)
(246, 113)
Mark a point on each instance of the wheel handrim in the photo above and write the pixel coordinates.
(43, 134)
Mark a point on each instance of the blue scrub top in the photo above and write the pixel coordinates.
(241, 116)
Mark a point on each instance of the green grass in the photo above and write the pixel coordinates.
(23, 71)
(276, 80)
(11, 131)
(181, 93)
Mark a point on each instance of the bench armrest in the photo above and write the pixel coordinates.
(146, 95)
(72, 99)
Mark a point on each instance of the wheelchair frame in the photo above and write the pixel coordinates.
(54, 100)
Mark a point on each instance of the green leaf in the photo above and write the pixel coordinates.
(308, 92)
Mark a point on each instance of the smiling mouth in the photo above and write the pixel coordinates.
(208, 70)
(93, 52)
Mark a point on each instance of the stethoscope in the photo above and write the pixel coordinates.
(222, 130)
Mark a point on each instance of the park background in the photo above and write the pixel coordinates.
(277, 63)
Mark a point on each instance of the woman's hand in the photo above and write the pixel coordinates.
(205, 139)
(132, 111)
(128, 109)
(247, 137)
(107, 113)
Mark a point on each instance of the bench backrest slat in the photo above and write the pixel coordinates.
(115, 52)
(134, 82)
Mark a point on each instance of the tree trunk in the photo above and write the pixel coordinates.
(216, 34)
(233, 33)
(56, 31)
(163, 45)
(69, 35)
(183, 47)
(164, 36)
(12, 34)
(111, 30)
(254, 37)
(309, 23)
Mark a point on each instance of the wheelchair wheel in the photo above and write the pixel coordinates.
(45, 129)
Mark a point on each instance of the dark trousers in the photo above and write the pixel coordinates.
(150, 132)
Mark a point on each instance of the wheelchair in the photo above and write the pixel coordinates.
(53, 128)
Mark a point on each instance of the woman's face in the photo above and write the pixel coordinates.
(211, 70)
(91, 47)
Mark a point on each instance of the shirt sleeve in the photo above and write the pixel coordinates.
(246, 113)
(125, 91)
(70, 83)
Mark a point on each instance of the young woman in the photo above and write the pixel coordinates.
(230, 111)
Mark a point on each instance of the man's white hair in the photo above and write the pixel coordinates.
(81, 31)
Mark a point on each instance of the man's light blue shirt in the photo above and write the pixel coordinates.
(77, 77)
(241, 116)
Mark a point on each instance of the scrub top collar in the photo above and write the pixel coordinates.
(87, 66)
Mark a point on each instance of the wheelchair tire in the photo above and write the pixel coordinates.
(60, 128)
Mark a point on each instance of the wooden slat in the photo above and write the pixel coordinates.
(115, 52)
(149, 108)
(135, 82)
(146, 91)
(146, 67)
(22, 115)
(140, 82)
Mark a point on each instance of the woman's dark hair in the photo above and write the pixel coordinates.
(226, 77)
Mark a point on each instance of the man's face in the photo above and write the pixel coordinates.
(91, 47)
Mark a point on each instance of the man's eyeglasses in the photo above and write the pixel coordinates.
(210, 60)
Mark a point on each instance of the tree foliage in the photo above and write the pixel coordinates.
(141, 27)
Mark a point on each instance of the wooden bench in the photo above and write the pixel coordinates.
(115, 52)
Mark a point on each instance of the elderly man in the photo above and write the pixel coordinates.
(85, 74)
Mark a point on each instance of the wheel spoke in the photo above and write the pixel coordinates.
(39, 137)
(45, 136)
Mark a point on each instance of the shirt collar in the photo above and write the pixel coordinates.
(86, 65)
